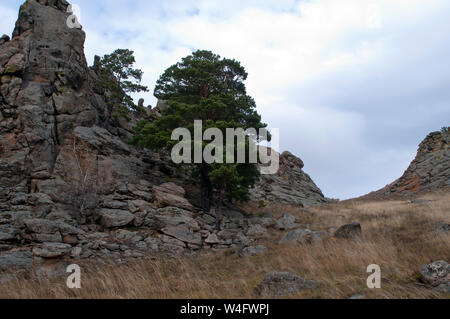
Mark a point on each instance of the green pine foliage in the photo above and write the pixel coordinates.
(204, 86)
(118, 79)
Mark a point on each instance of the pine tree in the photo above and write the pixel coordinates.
(118, 78)
(205, 87)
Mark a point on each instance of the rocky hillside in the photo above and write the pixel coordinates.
(430, 170)
(70, 185)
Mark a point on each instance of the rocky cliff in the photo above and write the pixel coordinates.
(70, 185)
(430, 170)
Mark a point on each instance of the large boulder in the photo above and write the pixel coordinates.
(283, 284)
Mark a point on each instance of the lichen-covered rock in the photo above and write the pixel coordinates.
(437, 274)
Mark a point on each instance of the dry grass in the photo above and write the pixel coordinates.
(397, 235)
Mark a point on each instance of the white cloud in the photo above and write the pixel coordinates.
(354, 85)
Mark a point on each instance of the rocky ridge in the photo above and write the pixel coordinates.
(70, 185)
(430, 170)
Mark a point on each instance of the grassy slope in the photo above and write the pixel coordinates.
(398, 236)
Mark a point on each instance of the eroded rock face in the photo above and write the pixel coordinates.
(430, 170)
(71, 187)
(291, 185)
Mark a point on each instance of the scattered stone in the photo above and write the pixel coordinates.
(350, 231)
(437, 274)
(287, 222)
(442, 227)
(257, 232)
(283, 284)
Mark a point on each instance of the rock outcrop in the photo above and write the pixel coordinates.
(430, 170)
(290, 185)
(71, 186)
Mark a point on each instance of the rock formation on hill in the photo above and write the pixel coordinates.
(70, 185)
(430, 170)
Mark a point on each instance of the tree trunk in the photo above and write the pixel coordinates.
(206, 187)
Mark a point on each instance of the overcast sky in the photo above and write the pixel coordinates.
(353, 85)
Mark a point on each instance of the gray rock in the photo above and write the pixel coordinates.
(212, 239)
(428, 171)
(173, 216)
(444, 288)
(184, 234)
(442, 227)
(111, 218)
(283, 284)
(287, 222)
(357, 296)
(266, 222)
(41, 226)
(4, 39)
(51, 250)
(4, 278)
(303, 236)
(252, 251)
(257, 232)
(350, 231)
(436, 273)
(15, 260)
